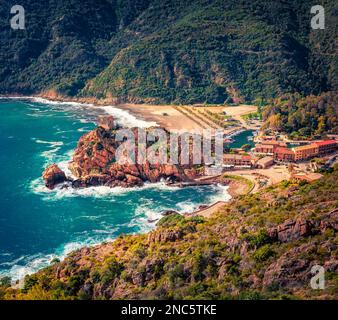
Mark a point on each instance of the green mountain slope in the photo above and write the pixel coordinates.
(169, 50)
(259, 246)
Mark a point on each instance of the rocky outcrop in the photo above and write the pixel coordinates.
(95, 162)
(107, 123)
(291, 230)
(53, 176)
(166, 235)
(290, 270)
(301, 227)
(168, 213)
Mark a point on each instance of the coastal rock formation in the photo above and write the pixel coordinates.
(95, 162)
(169, 213)
(170, 235)
(290, 270)
(107, 123)
(53, 176)
(291, 230)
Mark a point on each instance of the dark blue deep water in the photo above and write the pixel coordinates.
(37, 225)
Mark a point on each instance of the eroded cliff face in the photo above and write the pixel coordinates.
(96, 162)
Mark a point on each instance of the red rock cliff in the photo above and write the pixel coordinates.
(94, 163)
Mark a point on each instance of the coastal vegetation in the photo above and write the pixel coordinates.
(303, 117)
(241, 252)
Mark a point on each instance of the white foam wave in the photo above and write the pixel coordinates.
(14, 97)
(122, 116)
(64, 165)
(127, 119)
(66, 191)
(59, 103)
(221, 194)
(146, 217)
(27, 265)
(186, 207)
(51, 143)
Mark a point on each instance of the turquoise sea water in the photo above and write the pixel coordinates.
(242, 138)
(37, 225)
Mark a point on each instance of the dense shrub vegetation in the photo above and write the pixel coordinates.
(229, 256)
(303, 117)
(168, 50)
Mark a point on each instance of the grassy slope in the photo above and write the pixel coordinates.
(228, 256)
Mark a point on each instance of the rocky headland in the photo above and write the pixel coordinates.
(95, 163)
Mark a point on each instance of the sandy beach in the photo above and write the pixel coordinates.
(169, 117)
(172, 117)
(164, 115)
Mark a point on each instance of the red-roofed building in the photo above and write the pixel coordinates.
(326, 146)
(283, 154)
(268, 147)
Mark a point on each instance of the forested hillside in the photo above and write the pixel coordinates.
(303, 117)
(175, 51)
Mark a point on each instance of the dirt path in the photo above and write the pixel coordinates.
(209, 211)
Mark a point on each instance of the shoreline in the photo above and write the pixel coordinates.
(97, 103)
(209, 205)
(207, 211)
(164, 115)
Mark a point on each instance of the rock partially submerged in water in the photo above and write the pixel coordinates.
(53, 176)
(166, 213)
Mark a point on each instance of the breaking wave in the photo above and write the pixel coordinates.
(26, 265)
(122, 116)
(142, 213)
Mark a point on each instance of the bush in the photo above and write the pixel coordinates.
(259, 239)
(30, 282)
(171, 220)
(263, 253)
(5, 282)
(177, 273)
(111, 270)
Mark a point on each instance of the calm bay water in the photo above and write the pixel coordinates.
(242, 138)
(37, 225)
